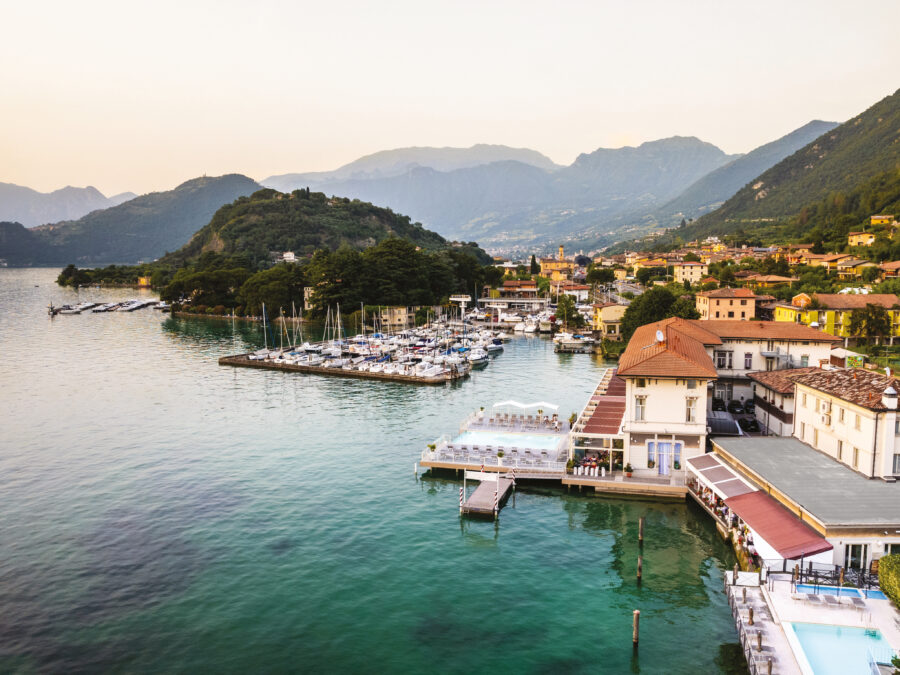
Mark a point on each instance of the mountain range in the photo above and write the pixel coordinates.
(849, 169)
(30, 207)
(142, 228)
(524, 201)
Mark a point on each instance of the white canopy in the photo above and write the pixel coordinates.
(524, 406)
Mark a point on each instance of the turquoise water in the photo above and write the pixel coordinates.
(161, 513)
(838, 650)
(508, 440)
(836, 590)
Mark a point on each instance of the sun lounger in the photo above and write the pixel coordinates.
(857, 602)
(831, 600)
(814, 599)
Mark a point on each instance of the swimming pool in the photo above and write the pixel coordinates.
(837, 590)
(508, 439)
(824, 649)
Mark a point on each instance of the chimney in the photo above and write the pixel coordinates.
(889, 398)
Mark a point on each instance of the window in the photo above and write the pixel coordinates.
(690, 412)
(692, 384)
(896, 469)
(815, 438)
(748, 361)
(723, 360)
(855, 457)
(717, 315)
(840, 450)
(817, 401)
(641, 382)
(804, 401)
(640, 408)
(856, 424)
(841, 415)
(802, 430)
(651, 451)
(891, 549)
(730, 315)
(804, 361)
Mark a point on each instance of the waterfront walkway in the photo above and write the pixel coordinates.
(488, 498)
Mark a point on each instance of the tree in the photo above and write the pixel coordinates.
(582, 260)
(566, 310)
(685, 309)
(493, 276)
(691, 257)
(535, 268)
(654, 305)
(870, 274)
(870, 322)
(600, 275)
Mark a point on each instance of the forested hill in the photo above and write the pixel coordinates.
(853, 158)
(269, 221)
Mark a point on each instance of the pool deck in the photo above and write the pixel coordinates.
(774, 604)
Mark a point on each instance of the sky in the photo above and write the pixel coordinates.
(141, 96)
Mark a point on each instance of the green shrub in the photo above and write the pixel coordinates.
(889, 576)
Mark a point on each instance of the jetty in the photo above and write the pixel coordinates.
(447, 375)
(489, 497)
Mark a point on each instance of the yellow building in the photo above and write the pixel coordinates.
(881, 219)
(649, 262)
(621, 273)
(690, 271)
(143, 282)
(608, 320)
(557, 269)
(833, 313)
(861, 238)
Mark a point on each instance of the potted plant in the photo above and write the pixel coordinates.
(570, 465)
(628, 470)
(677, 465)
(432, 447)
(500, 454)
(572, 418)
(651, 463)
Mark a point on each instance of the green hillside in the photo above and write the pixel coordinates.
(854, 159)
(303, 222)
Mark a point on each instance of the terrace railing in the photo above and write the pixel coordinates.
(819, 574)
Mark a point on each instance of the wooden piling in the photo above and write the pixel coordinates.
(759, 641)
(641, 531)
(636, 622)
(734, 578)
(744, 595)
(769, 666)
(640, 569)
(750, 617)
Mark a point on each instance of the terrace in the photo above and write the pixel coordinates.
(512, 436)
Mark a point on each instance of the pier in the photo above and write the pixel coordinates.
(489, 497)
(244, 361)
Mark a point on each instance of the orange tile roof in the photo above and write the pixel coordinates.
(728, 293)
(763, 330)
(679, 355)
(856, 301)
(781, 381)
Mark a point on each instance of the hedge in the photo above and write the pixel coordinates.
(889, 576)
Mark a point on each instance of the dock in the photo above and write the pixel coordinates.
(244, 361)
(489, 497)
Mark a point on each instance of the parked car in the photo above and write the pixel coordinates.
(749, 407)
(735, 408)
(718, 404)
(748, 424)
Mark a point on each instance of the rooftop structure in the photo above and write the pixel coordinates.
(816, 488)
(861, 387)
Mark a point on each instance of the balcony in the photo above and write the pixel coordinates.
(773, 410)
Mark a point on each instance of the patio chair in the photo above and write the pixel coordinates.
(857, 602)
(831, 601)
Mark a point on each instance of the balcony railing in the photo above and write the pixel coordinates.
(773, 410)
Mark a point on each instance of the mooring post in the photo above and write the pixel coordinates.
(641, 531)
(734, 577)
(759, 641)
(636, 627)
(750, 616)
(640, 568)
(416, 469)
(769, 666)
(744, 595)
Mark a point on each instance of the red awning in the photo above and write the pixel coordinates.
(781, 529)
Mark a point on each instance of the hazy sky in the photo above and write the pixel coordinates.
(141, 96)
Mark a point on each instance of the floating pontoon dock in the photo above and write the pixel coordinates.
(244, 361)
(489, 497)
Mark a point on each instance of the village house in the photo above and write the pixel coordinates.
(773, 398)
(581, 292)
(834, 309)
(881, 219)
(726, 303)
(691, 272)
(513, 295)
(861, 238)
(607, 320)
